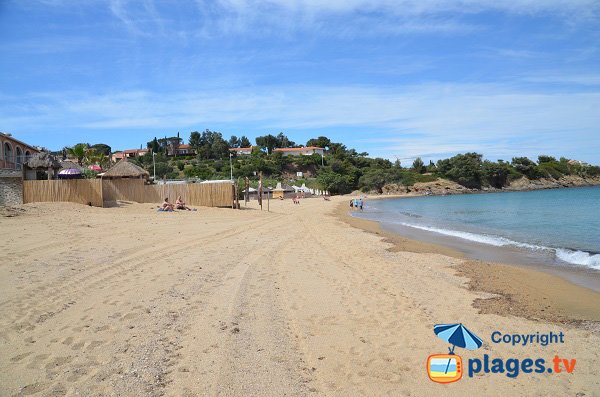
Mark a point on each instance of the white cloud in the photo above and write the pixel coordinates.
(339, 17)
(414, 120)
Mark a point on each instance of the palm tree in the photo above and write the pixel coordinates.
(79, 151)
(93, 157)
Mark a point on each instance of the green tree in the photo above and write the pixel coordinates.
(163, 169)
(79, 152)
(154, 146)
(465, 169)
(245, 142)
(194, 140)
(525, 167)
(418, 165)
(546, 159)
(334, 182)
(284, 142)
(101, 148)
(234, 141)
(373, 179)
(496, 174)
(268, 142)
(321, 141)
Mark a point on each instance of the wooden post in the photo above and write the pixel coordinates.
(102, 191)
(23, 175)
(260, 189)
(247, 194)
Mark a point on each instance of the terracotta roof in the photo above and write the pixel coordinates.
(297, 149)
(10, 137)
(237, 149)
(135, 151)
(183, 147)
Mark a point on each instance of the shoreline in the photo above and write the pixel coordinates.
(225, 302)
(517, 289)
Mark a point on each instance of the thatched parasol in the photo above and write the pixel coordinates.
(125, 169)
(43, 161)
(65, 165)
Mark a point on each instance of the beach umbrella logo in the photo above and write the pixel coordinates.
(448, 368)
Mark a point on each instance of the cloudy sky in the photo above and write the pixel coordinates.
(399, 78)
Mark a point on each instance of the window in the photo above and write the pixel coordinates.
(19, 158)
(8, 154)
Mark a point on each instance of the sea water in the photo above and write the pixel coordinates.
(560, 224)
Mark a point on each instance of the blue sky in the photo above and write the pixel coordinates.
(402, 78)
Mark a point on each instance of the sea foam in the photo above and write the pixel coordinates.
(574, 257)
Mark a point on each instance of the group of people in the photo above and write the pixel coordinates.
(357, 203)
(179, 204)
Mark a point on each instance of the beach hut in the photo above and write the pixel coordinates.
(125, 169)
(69, 165)
(278, 191)
(42, 161)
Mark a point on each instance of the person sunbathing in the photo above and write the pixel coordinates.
(180, 204)
(166, 206)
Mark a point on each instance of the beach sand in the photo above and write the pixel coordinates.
(127, 301)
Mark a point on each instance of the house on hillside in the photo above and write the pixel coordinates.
(13, 153)
(181, 150)
(299, 151)
(129, 153)
(241, 150)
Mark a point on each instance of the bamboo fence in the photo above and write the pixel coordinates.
(97, 192)
(82, 191)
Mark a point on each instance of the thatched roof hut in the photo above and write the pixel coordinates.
(125, 169)
(43, 161)
(64, 165)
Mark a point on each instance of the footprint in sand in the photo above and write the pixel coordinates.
(77, 346)
(59, 361)
(18, 358)
(32, 389)
(37, 361)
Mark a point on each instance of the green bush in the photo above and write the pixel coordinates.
(548, 170)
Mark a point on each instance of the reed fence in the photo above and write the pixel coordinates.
(82, 191)
(96, 192)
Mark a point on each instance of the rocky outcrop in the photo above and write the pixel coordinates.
(549, 183)
(439, 187)
(442, 187)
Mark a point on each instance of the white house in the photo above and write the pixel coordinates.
(241, 150)
(300, 151)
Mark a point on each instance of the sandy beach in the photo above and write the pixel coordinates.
(299, 301)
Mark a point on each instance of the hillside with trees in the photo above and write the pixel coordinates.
(340, 170)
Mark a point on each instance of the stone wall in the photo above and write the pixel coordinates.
(11, 187)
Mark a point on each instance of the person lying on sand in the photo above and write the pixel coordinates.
(180, 204)
(166, 206)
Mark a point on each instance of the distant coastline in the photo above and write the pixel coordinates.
(441, 187)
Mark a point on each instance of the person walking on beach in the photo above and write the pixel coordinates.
(360, 203)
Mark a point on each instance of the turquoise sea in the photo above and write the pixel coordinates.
(562, 226)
